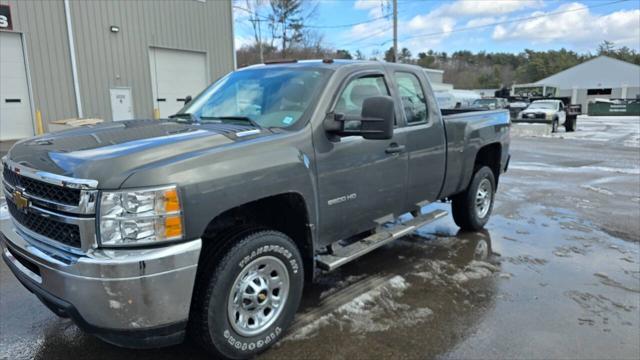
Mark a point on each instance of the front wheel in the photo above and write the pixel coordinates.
(248, 295)
(554, 126)
(471, 209)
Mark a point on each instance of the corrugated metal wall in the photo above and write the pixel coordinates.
(107, 59)
(45, 34)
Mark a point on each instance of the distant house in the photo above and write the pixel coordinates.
(598, 78)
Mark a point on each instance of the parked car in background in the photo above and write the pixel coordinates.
(516, 105)
(490, 103)
(551, 111)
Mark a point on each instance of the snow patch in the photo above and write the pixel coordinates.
(597, 189)
(474, 271)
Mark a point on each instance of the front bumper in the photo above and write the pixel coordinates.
(132, 297)
(532, 121)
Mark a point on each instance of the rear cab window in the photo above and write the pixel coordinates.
(414, 100)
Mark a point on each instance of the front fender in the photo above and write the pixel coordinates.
(213, 182)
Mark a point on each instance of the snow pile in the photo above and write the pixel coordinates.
(373, 311)
(474, 271)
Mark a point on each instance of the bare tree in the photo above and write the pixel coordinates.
(251, 8)
(287, 20)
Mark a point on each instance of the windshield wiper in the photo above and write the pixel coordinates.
(244, 119)
(190, 116)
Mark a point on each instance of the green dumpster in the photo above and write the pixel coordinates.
(608, 109)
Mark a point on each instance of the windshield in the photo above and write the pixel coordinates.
(543, 105)
(267, 97)
(485, 102)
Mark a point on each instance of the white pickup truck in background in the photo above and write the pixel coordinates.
(550, 111)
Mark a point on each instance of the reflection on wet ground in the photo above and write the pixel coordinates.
(555, 275)
(537, 283)
(527, 287)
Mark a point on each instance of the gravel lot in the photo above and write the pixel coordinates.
(555, 275)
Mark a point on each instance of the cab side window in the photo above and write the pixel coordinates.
(352, 97)
(414, 101)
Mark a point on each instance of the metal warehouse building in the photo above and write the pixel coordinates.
(110, 59)
(598, 78)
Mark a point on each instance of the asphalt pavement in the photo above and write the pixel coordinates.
(556, 274)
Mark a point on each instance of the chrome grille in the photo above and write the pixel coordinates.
(53, 209)
(41, 189)
(67, 234)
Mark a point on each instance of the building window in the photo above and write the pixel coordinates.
(599, 92)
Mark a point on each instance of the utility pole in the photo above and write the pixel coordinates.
(395, 30)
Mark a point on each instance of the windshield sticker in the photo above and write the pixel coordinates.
(287, 120)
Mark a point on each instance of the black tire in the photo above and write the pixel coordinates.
(463, 206)
(210, 323)
(554, 126)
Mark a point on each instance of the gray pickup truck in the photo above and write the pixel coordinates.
(210, 222)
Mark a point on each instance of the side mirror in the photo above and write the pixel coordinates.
(375, 121)
(187, 99)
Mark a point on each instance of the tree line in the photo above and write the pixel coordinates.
(280, 32)
(484, 70)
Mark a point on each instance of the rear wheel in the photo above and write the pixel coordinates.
(472, 208)
(248, 294)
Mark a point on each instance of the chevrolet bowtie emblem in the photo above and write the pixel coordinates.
(20, 201)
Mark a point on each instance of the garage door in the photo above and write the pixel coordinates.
(15, 109)
(176, 74)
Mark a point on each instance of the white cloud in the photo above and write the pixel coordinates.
(380, 31)
(369, 31)
(484, 8)
(376, 8)
(442, 20)
(365, 4)
(575, 25)
(483, 21)
(241, 40)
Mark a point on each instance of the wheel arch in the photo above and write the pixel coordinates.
(489, 155)
(285, 212)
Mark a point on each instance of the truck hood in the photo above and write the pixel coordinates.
(110, 152)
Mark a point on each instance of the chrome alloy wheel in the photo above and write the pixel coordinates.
(258, 296)
(484, 196)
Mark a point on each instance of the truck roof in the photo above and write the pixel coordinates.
(329, 64)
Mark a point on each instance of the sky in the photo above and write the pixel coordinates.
(476, 25)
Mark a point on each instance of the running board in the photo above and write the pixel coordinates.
(350, 252)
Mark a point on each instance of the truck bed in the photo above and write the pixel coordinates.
(466, 131)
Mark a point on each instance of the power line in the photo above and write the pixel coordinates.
(374, 34)
(347, 25)
(426, 35)
(435, 34)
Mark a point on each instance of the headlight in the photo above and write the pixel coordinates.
(549, 116)
(140, 217)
